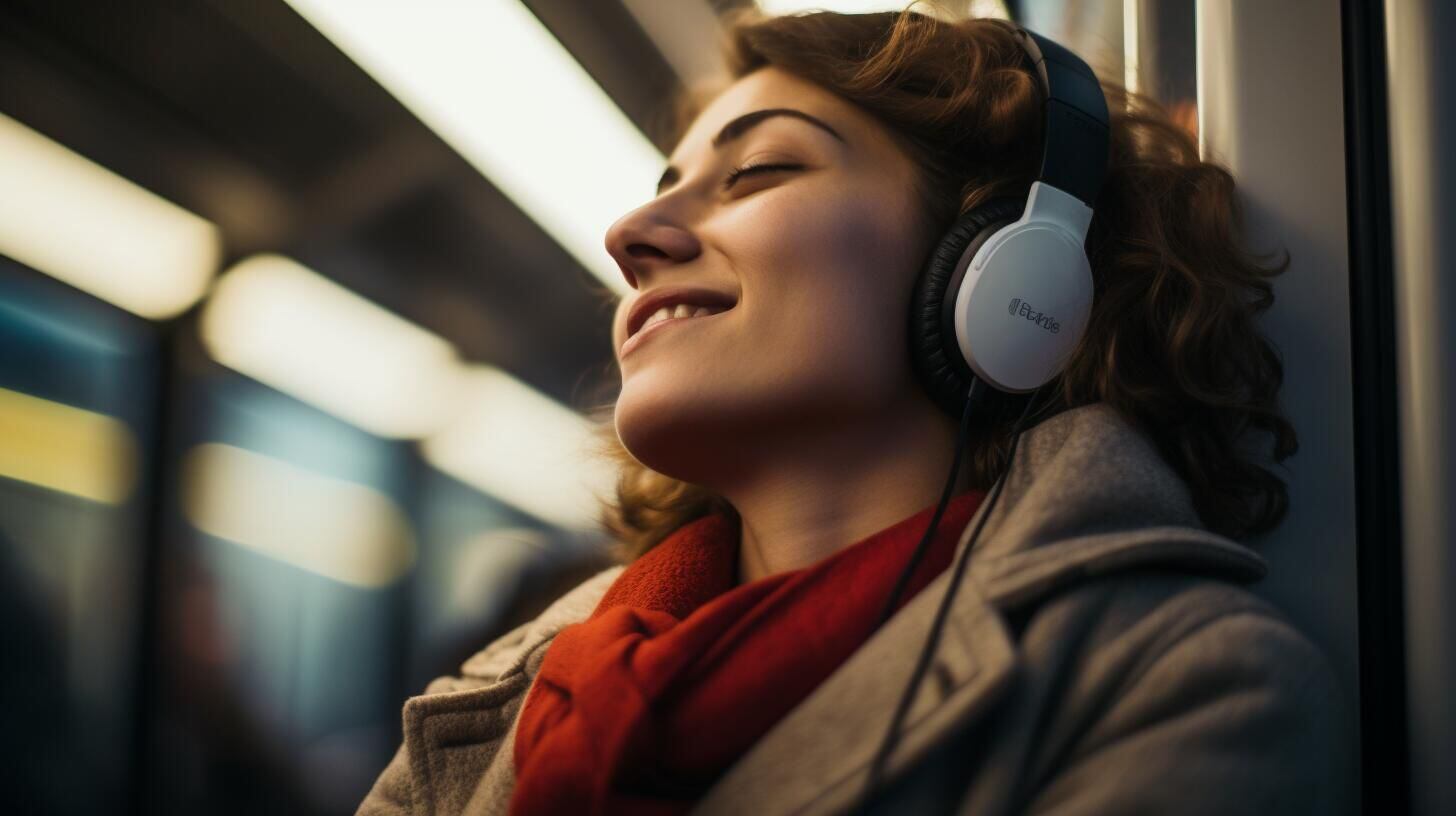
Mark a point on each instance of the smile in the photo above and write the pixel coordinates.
(655, 323)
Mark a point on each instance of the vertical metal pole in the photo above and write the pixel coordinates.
(1421, 71)
(158, 483)
(1385, 767)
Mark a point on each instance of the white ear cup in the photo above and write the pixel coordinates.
(1026, 295)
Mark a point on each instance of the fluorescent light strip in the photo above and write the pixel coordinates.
(1131, 20)
(494, 83)
(282, 324)
(66, 216)
(66, 449)
(524, 448)
(331, 527)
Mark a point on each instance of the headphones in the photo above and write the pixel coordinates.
(1006, 294)
(1003, 301)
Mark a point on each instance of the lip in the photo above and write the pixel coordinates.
(657, 298)
(640, 337)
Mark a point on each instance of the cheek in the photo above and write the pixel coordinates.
(830, 276)
(865, 230)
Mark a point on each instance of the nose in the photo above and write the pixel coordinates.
(647, 239)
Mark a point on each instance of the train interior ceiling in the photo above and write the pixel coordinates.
(305, 320)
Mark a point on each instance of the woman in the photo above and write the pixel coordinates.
(780, 459)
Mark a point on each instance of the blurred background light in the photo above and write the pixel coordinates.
(841, 6)
(523, 448)
(488, 555)
(939, 8)
(74, 220)
(989, 8)
(331, 527)
(499, 88)
(1130, 41)
(66, 449)
(285, 325)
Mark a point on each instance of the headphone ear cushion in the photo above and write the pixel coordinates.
(934, 352)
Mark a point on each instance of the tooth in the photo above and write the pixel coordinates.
(680, 310)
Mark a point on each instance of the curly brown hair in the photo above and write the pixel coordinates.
(1172, 342)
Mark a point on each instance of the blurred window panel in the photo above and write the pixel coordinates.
(77, 390)
(1148, 45)
(283, 613)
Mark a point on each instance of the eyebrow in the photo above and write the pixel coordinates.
(736, 128)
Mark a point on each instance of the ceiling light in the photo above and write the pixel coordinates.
(66, 216)
(288, 327)
(520, 446)
(493, 82)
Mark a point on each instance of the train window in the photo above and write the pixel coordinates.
(1149, 45)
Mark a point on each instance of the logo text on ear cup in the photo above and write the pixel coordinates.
(1020, 308)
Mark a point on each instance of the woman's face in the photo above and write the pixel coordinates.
(819, 257)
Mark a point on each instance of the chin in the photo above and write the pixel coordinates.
(671, 432)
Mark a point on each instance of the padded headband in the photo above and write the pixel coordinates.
(1074, 153)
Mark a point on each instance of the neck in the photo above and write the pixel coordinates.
(816, 493)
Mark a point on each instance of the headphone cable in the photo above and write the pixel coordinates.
(877, 766)
(972, 401)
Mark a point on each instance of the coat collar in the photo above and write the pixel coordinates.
(1087, 494)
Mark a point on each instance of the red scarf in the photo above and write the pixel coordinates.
(678, 671)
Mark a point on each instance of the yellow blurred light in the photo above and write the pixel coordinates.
(524, 448)
(66, 449)
(493, 82)
(73, 219)
(331, 527)
(285, 325)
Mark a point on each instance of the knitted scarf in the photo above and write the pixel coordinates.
(640, 708)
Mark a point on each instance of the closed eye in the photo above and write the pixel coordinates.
(737, 172)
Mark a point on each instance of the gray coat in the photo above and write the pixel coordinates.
(1098, 659)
